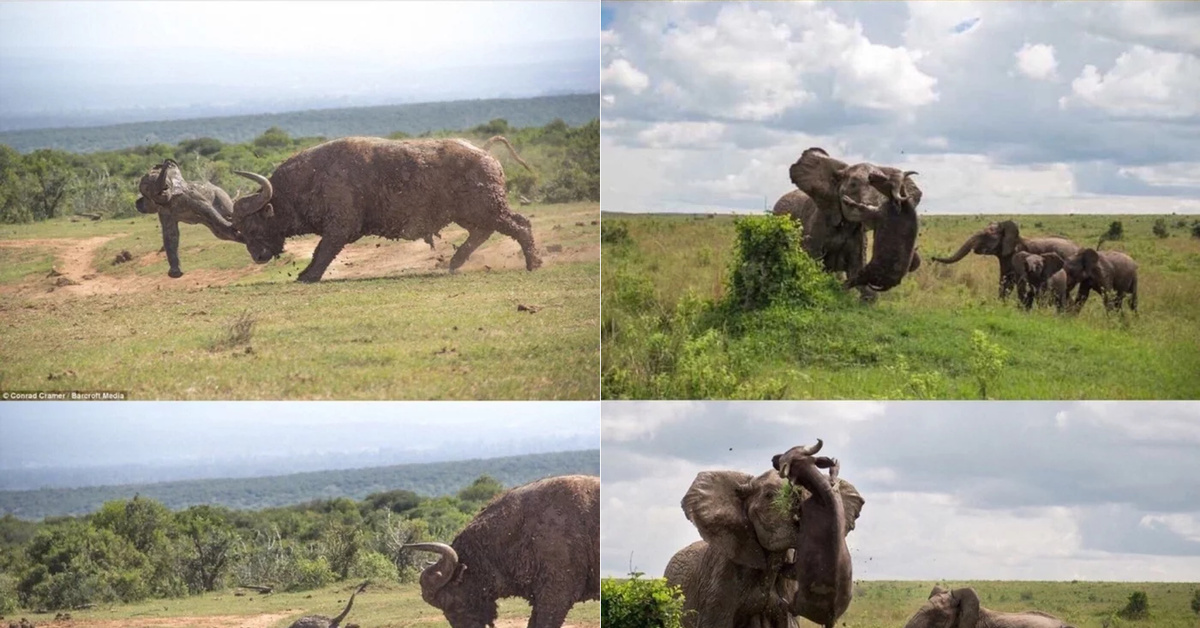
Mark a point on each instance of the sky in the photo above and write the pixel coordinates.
(954, 490)
(1002, 107)
(36, 435)
(77, 57)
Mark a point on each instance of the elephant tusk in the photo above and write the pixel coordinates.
(790, 556)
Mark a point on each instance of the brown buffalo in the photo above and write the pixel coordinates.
(540, 542)
(356, 186)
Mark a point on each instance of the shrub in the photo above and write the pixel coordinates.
(1196, 229)
(638, 603)
(374, 566)
(1196, 602)
(1160, 228)
(1116, 231)
(312, 574)
(986, 361)
(769, 267)
(8, 594)
(1138, 606)
(614, 233)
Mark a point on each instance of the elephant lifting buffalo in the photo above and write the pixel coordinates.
(761, 546)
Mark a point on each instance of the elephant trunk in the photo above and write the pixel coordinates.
(215, 216)
(961, 252)
(160, 184)
(264, 194)
(441, 572)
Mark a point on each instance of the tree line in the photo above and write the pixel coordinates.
(47, 184)
(135, 549)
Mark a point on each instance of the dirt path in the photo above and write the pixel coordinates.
(75, 273)
(212, 621)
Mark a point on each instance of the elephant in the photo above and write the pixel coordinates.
(1033, 273)
(739, 574)
(321, 621)
(165, 192)
(960, 609)
(835, 205)
(1003, 240)
(1111, 273)
(822, 568)
(1059, 285)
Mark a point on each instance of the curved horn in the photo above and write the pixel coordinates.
(909, 173)
(808, 451)
(264, 195)
(443, 571)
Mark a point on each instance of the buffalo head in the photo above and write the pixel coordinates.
(254, 218)
(461, 594)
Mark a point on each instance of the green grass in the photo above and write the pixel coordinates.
(382, 605)
(659, 338)
(887, 604)
(419, 334)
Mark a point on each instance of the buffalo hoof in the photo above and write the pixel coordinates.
(305, 279)
(174, 273)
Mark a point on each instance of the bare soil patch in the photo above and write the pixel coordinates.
(212, 621)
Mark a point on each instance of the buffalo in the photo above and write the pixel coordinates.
(347, 188)
(540, 542)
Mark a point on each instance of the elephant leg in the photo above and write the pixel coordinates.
(327, 249)
(518, 228)
(475, 237)
(170, 236)
(1133, 295)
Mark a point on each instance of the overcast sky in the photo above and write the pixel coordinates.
(1021, 107)
(954, 490)
(68, 57)
(83, 434)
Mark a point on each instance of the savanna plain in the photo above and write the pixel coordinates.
(943, 333)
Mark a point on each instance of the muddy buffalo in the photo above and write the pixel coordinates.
(540, 542)
(399, 189)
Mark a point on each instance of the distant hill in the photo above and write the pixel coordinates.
(430, 479)
(414, 119)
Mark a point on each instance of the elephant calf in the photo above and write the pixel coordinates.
(960, 609)
(1033, 274)
(165, 192)
(1111, 273)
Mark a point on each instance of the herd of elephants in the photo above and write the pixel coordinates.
(837, 204)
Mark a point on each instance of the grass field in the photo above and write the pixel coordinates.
(382, 605)
(917, 341)
(387, 321)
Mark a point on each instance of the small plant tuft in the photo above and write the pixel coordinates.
(640, 603)
(1160, 228)
(986, 362)
(237, 333)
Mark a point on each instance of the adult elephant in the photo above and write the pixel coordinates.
(165, 192)
(1003, 240)
(836, 205)
(740, 574)
(1111, 273)
(960, 609)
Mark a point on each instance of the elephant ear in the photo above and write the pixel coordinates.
(1009, 235)
(967, 604)
(852, 503)
(819, 176)
(714, 504)
(1051, 264)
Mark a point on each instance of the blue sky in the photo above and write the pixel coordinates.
(954, 490)
(73, 57)
(1003, 108)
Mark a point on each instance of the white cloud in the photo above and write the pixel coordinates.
(1142, 82)
(621, 74)
(682, 135)
(1037, 62)
(1186, 525)
(1171, 173)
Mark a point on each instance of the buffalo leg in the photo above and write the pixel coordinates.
(170, 236)
(327, 249)
(518, 228)
(475, 237)
(549, 613)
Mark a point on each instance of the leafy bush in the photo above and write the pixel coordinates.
(986, 361)
(374, 566)
(1196, 602)
(1138, 606)
(1116, 231)
(483, 489)
(1160, 228)
(769, 267)
(8, 594)
(638, 603)
(1196, 229)
(614, 233)
(312, 573)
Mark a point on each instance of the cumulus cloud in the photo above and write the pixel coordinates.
(995, 101)
(1037, 62)
(1142, 82)
(621, 74)
(944, 497)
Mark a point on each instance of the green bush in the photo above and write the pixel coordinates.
(770, 268)
(1196, 602)
(614, 233)
(8, 594)
(1138, 606)
(1160, 228)
(374, 566)
(638, 603)
(1196, 229)
(312, 573)
(986, 361)
(1116, 231)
